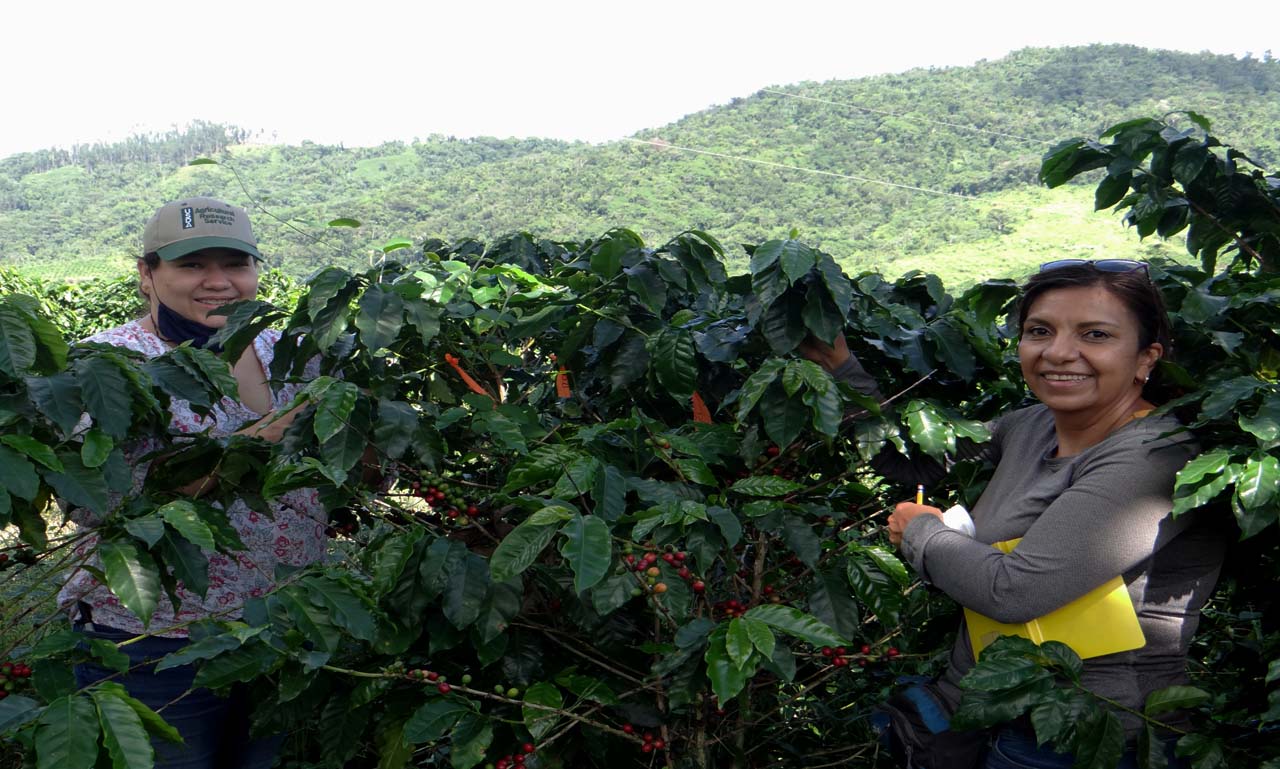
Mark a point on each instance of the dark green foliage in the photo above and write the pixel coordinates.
(1181, 178)
(526, 580)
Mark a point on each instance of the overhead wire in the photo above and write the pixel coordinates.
(903, 116)
(773, 164)
(662, 144)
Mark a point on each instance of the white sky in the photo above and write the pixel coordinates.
(371, 71)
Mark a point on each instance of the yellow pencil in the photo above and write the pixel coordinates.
(919, 493)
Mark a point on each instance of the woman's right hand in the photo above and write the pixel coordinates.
(829, 356)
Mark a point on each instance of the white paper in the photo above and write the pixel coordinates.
(956, 517)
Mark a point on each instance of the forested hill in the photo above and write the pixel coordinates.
(934, 164)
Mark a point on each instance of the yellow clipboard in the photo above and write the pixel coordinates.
(1102, 621)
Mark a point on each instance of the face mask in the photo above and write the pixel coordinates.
(178, 329)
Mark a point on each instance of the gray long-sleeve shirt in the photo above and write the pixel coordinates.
(1083, 520)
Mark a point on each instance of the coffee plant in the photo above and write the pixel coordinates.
(590, 508)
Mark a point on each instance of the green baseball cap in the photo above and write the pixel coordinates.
(192, 224)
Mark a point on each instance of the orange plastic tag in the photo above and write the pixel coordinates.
(562, 384)
(700, 411)
(452, 360)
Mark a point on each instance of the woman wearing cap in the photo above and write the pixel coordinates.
(200, 254)
(1085, 478)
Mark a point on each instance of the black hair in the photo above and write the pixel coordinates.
(1135, 291)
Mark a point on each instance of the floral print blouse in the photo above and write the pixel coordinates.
(293, 533)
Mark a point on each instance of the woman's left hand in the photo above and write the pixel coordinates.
(272, 426)
(905, 513)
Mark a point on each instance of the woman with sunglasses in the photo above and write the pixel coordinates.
(1085, 480)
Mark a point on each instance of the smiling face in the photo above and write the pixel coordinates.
(1081, 354)
(195, 284)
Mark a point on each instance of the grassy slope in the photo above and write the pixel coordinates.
(1058, 224)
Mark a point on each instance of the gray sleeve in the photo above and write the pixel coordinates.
(1112, 518)
(895, 466)
(853, 374)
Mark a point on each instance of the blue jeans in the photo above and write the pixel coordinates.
(1015, 748)
(216, 729)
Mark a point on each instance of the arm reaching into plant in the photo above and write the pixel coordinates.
(845, 367)
(270, 428)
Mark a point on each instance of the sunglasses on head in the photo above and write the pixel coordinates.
(1103, 265)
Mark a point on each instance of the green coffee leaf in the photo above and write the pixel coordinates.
(1259, 482)
(765, 486)
(537, 720)
(1150, 749)
(333, 409)
(519, 549)
(380, 317)
(17, 343)
(838, 286)
(796, 623)
(648, 287)
(737, 641)
(1265, 424)
(500, 606)
(471, 740)
(395, 244)
(349, 608)
(762, 638)
(800, 537)
(18, 475)
(242, 664)
(1174, 698)
(1224, 397)
(928, 429)
(998, 673)
(106, 395)
(132, 575)
(588, 688)
(308, 619)
(465, 590)
(67, 734)
(58, 398)
(17, 711)
(674, 361)
(123, 733)
(148, 528)
(830, 602)
(33, 449)
(875, 590)
(823, 319)
(588, 549)
(432, 721)
(1099, 740)
(205, 648)
(96, 448)
(727, 678)
(754, 388)
(79, 485)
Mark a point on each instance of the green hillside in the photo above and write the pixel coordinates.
(925, 169)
